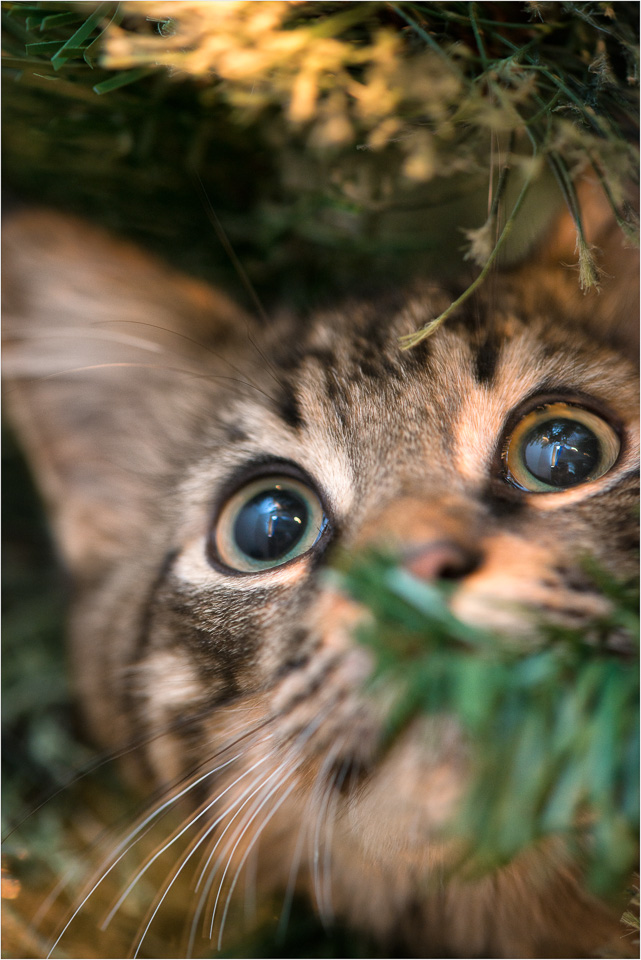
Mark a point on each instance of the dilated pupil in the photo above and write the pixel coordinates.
(561, 452)
(270, 524)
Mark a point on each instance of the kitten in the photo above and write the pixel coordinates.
(198, 471)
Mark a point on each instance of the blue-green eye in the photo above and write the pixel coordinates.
(268, 522)
(558, 446)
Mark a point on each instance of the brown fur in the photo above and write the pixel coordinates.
(140, 394)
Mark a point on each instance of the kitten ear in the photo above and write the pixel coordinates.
(106, 354)
(610, 308)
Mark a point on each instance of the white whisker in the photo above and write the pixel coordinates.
(303, 738)
(125, 846)
(170, 843)
(256, 836)
(246, 799)
(330, 820)
(200, 840)
(294, 870)
(243, 829)
(291, 882)
(320, 813)
(139, 365)
(251, 886)
(182, 336)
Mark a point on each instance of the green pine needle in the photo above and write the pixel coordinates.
(553, 728)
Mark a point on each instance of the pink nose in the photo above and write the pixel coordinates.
(440, 560)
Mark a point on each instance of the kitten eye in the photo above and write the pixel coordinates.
(268, 522)
(558, 446)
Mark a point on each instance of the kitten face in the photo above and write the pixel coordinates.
(183, 625)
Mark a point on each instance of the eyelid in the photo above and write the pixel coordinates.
(546, 394)
(265, 466)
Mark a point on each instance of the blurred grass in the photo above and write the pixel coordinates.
(35, 720)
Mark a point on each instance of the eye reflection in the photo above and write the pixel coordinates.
(558, 446)
(266, 523)
(561, 452)
(270, 524)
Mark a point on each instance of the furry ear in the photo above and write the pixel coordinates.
(105, 357)
(610, 308)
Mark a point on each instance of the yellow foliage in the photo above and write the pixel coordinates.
(332, 88)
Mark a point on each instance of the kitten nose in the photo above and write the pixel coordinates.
(441, 560)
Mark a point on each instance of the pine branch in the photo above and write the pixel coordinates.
(552, 723)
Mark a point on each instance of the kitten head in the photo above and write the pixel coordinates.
(199, 473)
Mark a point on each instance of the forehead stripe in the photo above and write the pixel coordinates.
(486, 359)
